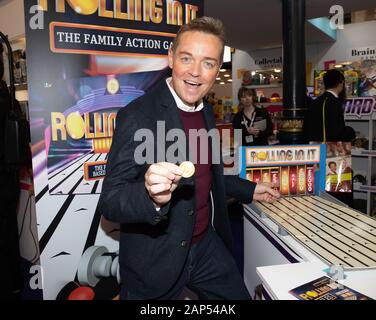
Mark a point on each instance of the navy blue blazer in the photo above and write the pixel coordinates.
(335, 127)
(154, 245)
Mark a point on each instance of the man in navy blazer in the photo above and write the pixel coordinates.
(175, 230)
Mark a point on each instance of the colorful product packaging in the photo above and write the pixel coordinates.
(310, 179)
(266, 175)
(293, 180)
(284, 181)
(256, 175)
(275, 173)
(301, 179)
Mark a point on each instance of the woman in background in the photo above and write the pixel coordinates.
(254, 121)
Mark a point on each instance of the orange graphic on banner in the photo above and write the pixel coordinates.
(102, 145)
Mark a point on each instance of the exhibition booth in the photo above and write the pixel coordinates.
(76, 65)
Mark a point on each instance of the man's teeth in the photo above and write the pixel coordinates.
(192, 83)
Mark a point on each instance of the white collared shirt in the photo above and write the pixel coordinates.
(181, 105)
(333, 93)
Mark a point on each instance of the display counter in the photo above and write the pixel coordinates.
(305, 234)
(306, 241)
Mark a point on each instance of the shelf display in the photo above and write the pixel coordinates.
(367, 81)
(223, 110)
(272, 77)
(360, 113)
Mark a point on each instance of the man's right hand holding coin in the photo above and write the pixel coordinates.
(161, 180)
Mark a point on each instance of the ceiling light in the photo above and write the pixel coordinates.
(229, 80)
(223, 70)
(222, 82)
(218, 79)
(226, 75)
(253, 73)
(277, 70)
(338, 66)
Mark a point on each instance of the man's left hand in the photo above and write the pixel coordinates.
(266, 192)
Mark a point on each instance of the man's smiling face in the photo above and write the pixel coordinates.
(195, 64)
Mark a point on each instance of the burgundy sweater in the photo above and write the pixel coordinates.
(203, 174)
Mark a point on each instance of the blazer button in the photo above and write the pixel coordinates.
(191, 212)
(157, 218)
(183, 243)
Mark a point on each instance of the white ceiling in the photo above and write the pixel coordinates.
(257, 24)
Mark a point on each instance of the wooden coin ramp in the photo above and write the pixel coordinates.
(337, 234)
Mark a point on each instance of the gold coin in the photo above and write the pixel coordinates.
(188, 169)
(261, 155)
(113, 86)
(85, 7)
(75, 126)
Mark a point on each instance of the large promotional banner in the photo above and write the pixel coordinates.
(86, 59)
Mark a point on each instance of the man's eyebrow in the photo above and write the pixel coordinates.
(210, 58)
(190, 54)
(185, 52)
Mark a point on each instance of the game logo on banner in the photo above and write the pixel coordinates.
(271, 156)
(290, 169)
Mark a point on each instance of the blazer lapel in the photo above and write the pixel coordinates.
(170, 114)
(209, 116)
(215, 142)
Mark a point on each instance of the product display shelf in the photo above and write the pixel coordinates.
(363, 153)
(367, 124)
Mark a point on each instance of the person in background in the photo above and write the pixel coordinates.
(254, 121)
(324, 119)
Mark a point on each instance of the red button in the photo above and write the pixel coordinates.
(82, 293)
